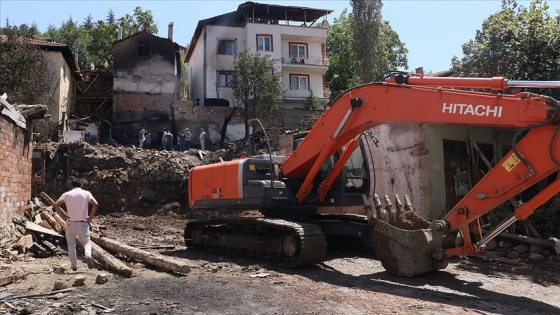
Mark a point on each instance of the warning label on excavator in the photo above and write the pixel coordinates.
(511, 162)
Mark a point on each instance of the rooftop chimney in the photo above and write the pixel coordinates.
(170, 31)
(419, 70)
(119, 33)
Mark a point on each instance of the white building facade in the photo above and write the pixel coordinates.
(293, 36)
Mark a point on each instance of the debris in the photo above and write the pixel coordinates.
(5, 296)
(79, 281)
(5, 280)
(102, 278)
(162, 262)
(104, 308)
(59, 270)
(59, 285)
(37, 295)
(51, 220)
(10, 305)
(37, 228)
(24, 243)
(261, 275)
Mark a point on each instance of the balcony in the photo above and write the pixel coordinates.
(312, 63)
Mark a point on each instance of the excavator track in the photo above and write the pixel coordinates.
(283, 243)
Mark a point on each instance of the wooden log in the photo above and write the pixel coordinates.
(108, 260)
(24, 243)
(5, 280)
(46, 225)
(97, 253)
(156, 260)
(555, 244)
(60, 222)
(52, 222)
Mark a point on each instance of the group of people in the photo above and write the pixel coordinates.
(150, 139)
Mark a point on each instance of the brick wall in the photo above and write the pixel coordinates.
(15, 170)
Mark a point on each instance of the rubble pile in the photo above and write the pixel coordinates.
(123, 179)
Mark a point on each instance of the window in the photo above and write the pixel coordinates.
(299, 82)
(226, 47)
(298, 51)
(225, 79)
(144, 50)
(264, 42)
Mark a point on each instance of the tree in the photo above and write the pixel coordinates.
(28, 75)
(139, 21)
(516, 42)
(256, 84)
(343, 73)
(103, 35)
(77, 38)
(366, 25)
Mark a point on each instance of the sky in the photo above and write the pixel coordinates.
(433, 31)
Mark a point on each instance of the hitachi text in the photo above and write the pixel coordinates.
(470, 109)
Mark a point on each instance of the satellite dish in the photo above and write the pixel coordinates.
(325, 24)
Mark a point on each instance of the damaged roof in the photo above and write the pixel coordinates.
(250, 10)
(9, 111)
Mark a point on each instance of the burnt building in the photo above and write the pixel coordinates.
(147, 71)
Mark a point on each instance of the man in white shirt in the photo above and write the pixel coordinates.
(202, 139)
(77, 202)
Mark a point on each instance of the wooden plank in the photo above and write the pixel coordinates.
(37, 228)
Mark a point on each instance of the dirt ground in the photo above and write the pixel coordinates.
(349, 281)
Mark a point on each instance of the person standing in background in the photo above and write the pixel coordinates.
(141, 137)
(188, 135)
(202, 138)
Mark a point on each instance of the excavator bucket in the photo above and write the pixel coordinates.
(406, 244)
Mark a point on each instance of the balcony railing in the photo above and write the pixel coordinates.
(311, 60)
(285, 22)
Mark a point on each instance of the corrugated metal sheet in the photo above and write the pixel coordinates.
(9, 111)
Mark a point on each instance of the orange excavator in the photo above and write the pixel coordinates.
(312, 194)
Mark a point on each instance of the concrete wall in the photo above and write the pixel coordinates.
(15, 169)
(185, 115)
(61, 85)
(410, 160)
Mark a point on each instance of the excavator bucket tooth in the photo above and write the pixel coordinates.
(407, 245)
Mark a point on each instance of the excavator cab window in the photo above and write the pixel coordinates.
(356, 173)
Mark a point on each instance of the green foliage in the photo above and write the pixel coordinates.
(345, 69)
(256, 83)
(91, 42)
(137, 22)
(76, 37)
(365, 25)
(517, 42)
(27, 75)
(28, 78)
(312, 102)
(101, 45)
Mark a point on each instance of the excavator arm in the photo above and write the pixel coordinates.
(449, 101)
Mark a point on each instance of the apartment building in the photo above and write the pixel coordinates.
(293, 36)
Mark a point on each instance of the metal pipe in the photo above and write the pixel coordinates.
(533, 84)
(497, 230)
